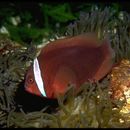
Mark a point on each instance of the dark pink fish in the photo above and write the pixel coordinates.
(73, 60)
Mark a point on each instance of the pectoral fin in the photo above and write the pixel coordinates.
(63, 78)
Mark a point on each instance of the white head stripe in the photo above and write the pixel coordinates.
(38, 77)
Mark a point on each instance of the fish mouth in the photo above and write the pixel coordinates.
(28, 89)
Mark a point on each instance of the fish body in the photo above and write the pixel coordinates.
(73, 60)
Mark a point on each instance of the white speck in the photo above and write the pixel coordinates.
(15, 20)
(121, 121)
(4, 30)
(121, 15)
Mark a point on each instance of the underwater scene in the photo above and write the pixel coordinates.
(64, 65)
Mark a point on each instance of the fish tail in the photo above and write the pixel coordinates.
(107, 49)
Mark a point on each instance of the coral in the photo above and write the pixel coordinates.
(120, 79)
(120, 86)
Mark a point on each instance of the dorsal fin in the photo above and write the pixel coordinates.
(87, 40)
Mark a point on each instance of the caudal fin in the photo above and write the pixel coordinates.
(108, 60)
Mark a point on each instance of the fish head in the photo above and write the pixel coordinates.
(34, 82)
(30, 83)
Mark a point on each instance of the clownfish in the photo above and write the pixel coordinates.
(73, 60)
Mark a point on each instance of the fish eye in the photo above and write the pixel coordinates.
(30, 80)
